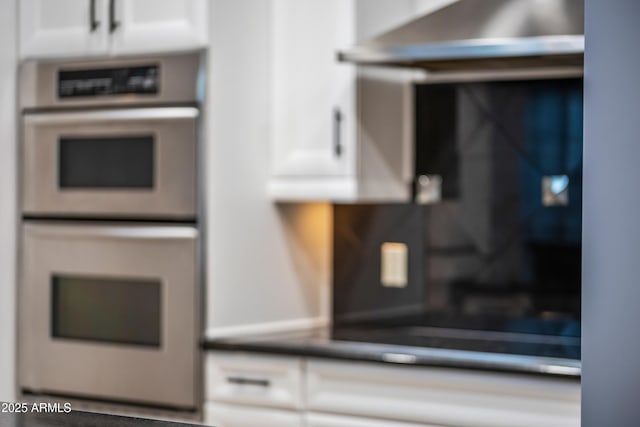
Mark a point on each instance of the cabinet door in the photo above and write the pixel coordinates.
(313, 94)
(143, 26)
(62, 28)
(226, 415)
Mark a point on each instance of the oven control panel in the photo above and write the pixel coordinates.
(108, 81)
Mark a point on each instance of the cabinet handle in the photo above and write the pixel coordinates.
(337, 132)
(249, 381)
(113, 24)
(93, 22)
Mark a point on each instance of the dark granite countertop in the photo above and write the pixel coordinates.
(78, 419)
(420, 346)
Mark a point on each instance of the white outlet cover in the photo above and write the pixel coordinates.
(394, 265)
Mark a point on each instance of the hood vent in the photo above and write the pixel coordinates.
(482, 35)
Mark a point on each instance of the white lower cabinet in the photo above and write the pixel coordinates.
(441, 396)
(254, 380)
(228, 415)
(327, 420)
(246, 389)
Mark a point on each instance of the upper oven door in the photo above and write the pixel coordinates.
(110, 310)
(126, 163)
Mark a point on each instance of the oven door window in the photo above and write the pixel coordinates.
(116, 162)
(123, 311)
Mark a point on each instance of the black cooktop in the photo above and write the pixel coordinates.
(467, 340)
(535, 336)
(418, 344)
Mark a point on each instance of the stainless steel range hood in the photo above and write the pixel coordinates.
(482, 34)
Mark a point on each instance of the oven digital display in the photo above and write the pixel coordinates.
(114, 310)
(109, 81)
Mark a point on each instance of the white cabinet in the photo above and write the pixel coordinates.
(254, 380)
(247, 390)
(152, 25)
(243, 387)
(76, 28)
(340, 133)
(440, 396)
(227, 415)
(63, 28)
(326, 420)
(335, 136)
(313, 95)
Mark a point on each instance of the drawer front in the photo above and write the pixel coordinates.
(229, 415)
(442, 396)
(254, 380)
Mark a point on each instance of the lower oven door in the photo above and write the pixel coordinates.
(129, 163)
(110, 312)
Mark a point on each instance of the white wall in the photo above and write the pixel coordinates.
(611, 211)
(7, 198)
(268, 265)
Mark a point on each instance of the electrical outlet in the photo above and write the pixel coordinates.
(394, 262)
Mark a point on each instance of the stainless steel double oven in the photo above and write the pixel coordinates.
(110, 271)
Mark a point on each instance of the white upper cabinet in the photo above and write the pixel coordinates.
(313, 95)
(152, 25)
(339, 133)
(80, 28)
(62, 28)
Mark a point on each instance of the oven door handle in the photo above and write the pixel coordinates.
(120, 115)
(113, 231)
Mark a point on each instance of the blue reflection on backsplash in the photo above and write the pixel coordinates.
(554, 140)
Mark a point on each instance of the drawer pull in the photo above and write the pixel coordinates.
(249, 381)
